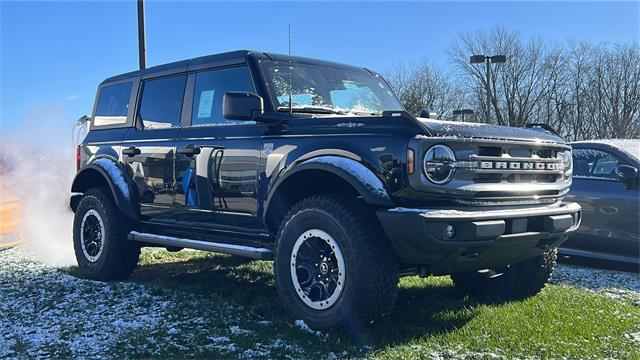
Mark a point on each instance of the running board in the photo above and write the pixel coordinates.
(239, 250)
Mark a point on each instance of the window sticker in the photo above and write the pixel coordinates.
(296, 99)
(348, 84)
(206, 104)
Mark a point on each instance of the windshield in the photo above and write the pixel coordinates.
(329, 90)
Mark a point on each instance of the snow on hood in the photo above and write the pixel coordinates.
(489, 131)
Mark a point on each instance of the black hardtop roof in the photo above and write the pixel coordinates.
(223, 59)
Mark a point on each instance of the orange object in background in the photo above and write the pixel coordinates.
(10, 220)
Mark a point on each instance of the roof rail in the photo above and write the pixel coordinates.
(543, 126)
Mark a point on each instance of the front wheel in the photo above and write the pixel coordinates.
(100, 238)
(519, 280)
(334, 265)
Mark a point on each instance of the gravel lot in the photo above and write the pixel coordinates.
(45, 312)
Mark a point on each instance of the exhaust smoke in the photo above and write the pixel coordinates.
(38, 166)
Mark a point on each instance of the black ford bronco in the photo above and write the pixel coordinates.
(317, 166)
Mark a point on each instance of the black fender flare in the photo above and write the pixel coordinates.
(361, 178)
(123, 191)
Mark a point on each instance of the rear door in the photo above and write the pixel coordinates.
(217, 182)
(149, 148)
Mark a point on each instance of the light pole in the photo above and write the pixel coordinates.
(495, 59)
(463, 112)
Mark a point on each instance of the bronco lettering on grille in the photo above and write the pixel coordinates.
(519, 165)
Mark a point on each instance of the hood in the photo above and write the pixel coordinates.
(487, 131)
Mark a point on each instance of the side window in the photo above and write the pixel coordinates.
(209, 91)
(594, 163)
(161, 102)
(113, 104)
(606, 166)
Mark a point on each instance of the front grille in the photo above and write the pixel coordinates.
(498, 171)
(515, 164)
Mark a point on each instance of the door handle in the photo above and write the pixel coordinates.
(131, 151)
(188, 150)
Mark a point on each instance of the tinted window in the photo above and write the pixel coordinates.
(162, 102)
(209, 92)
(594, 163)
(113, 104)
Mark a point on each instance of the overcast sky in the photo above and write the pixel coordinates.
(53, 54)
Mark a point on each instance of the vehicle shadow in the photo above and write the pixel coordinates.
(422, 309)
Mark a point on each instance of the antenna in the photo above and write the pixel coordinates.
(290, 74)
(141, 37)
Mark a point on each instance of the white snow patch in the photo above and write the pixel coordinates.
(635, 337)
(115, 173)
(47, 313)
(359, 171)
(219, 339)
(236, 330)
(615, 284)
(302, 325)
(349, 125)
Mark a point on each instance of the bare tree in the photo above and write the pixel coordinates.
(582, 90)
(425, 87)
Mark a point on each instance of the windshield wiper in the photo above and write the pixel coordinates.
(363, 113)
(312, 110)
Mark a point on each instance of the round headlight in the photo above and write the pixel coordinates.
(439, 164)
(567, 161)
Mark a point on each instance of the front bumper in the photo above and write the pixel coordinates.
(9, 240)
(483, 237)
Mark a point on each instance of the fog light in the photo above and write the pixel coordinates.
(449, 232)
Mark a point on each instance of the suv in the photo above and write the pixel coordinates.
(317, 166)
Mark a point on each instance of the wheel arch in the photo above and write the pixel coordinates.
(322, 175)
(103, 172)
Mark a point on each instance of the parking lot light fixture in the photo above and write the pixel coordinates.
(462, 112)
(488, 60)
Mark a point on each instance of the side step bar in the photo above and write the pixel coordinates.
(239, 250)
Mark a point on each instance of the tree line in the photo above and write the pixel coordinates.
(582, 90)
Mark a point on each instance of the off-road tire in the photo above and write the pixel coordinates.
(518, 281)
(119, 256)
(371, 276)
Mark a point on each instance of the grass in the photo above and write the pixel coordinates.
(431, 318)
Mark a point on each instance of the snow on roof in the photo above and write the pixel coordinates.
(631, 147)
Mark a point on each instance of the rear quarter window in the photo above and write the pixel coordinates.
(113, 104)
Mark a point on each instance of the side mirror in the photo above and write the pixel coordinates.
(627, 174)
(428, 114)
(241, 105)
(83, 119)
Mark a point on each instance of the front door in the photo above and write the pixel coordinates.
(217, 159)
(609, 209)
(149, 149)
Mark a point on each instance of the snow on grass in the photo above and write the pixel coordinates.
(304, 327)
(236, 330)
(615, 284)
(45, 312)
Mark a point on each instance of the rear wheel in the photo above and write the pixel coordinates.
(100, 238)
(519, 280)
(334, 265)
